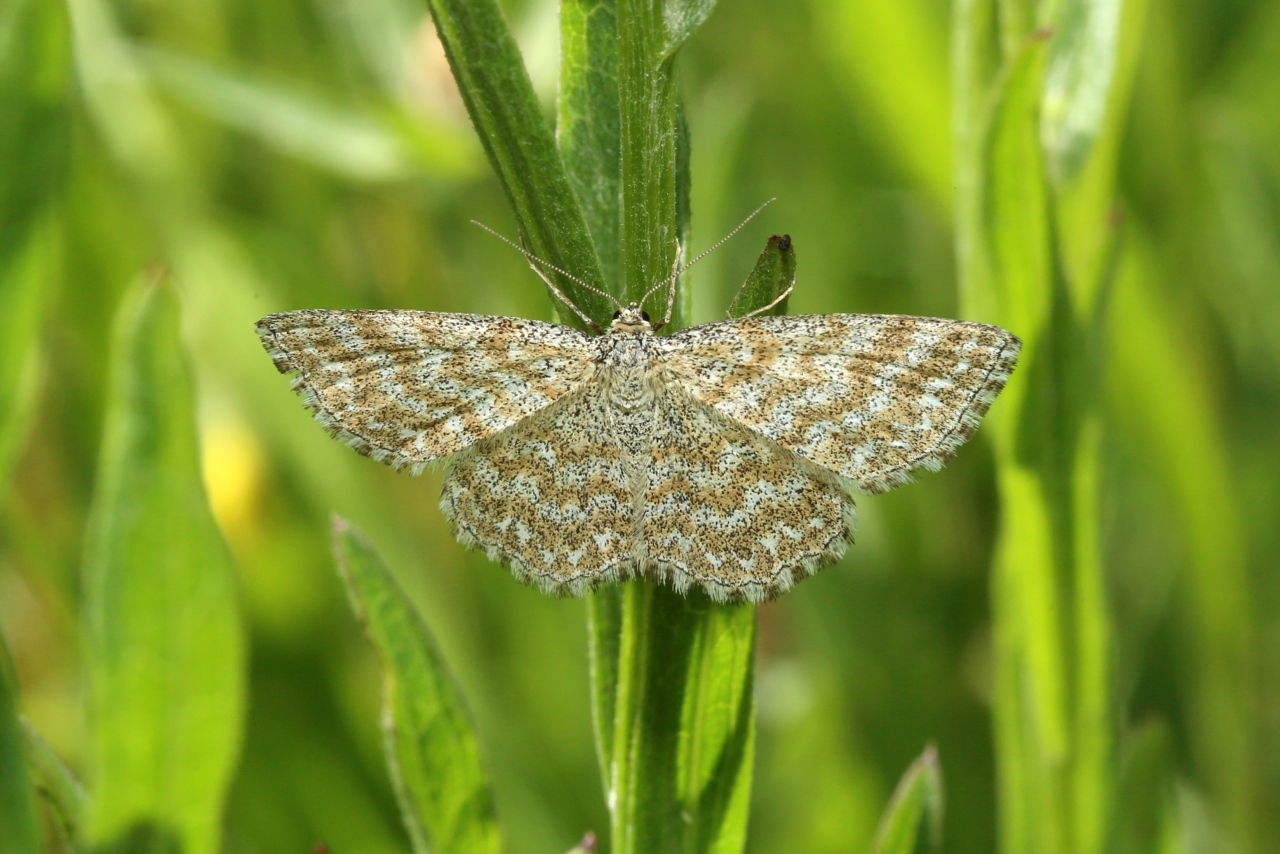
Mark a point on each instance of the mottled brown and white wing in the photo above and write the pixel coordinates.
(729, 510)
(554, 498)
(871, 397)
(409, 387)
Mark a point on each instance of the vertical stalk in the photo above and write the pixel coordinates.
(1053, 719)
(672, 674)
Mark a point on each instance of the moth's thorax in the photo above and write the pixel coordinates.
(626, 360)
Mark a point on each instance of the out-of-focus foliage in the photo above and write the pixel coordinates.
(913, 817)
(432, 747)
(164, 646)
(1102, 177)
(19, 821)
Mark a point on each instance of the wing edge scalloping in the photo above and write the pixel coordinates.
(968, 419)
(678, 577)
(389, 457)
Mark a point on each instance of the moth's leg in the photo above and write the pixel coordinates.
(671, 291)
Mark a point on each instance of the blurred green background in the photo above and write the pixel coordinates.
(285, 154)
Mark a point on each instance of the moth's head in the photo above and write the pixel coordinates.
(632, 320)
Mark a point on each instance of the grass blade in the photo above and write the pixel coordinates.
(1018, 290)
(34, 80)
(521, 147)
(165, 649)
(19, 820)
(916, 802)
(26, 286)
(61, 791)
(432, 748)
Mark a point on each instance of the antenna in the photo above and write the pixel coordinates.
(675, 274)
(534, 260)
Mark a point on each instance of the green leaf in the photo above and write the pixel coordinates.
(431, 744)
(1016, 196)
(589, 135)
(916, 803)
(773, 275)
(27, 282)
(35, 76)
(521, 147)
(1077, 82)
(1021, 292)
(61, 791)
(34, 81)
(165, 647)
(588, 129)
(19, 819)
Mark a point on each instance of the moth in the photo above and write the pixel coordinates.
(723, 455)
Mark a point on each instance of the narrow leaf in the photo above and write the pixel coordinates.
(717, 727)
(916, 803)
(431, 744)
(165, 648)
(772, 276)
(62, 792)
(19, 820)
(589, 139)
(35, 74)
(521, 147)
(27, 281)
(1033, 453)
(588, 128)
(1077, 82)
(35, 78)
